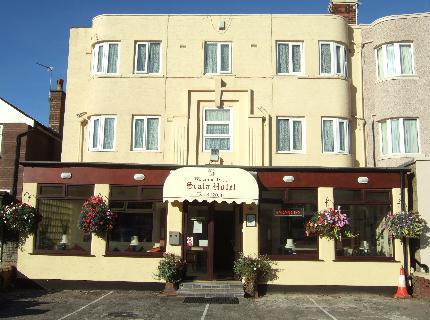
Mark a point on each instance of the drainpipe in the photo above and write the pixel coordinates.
(404, 241)
(373, 141)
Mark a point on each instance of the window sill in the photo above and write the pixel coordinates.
(295, 257)
(62, 253)
(146, 151)
(131, 254)
(101, 150)
(328, 77)
(290, 152)
(364, 259)
(336, 154)
(399, 156)
(399, 77)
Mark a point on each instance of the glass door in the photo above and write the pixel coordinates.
(198, 244)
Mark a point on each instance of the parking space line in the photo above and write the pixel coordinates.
(205, 312)
(321, 308)
(87, 305)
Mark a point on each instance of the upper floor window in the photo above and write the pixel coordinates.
(335, 135)
(395, 59)
(105, 57)
(147, 59)
(146, 133)
(333, 59)
(217, 57)
(102, 133)
(289, 57)
(290, 134)
(399, 136)
(217, 129)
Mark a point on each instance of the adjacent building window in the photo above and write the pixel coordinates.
(395, 59)
(141, 224)
(147, 58)
(217, 129)
(335, 135)
(289, 57)
(290, 134)
(217, 57)
(102, 133)
(60, 207)
(366, 210)
(146, 133)
(282, 217)
(333, 59)
(399, 136)
(105, 57)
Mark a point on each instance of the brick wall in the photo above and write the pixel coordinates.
(421, 286)
(348, 11)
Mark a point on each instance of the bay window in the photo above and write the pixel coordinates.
(366, 210)
(105, 58)
(333, 59)
(102, 133)
(290, 134)
(289, 57)
(146, 133)
(394, 59)
(147, 57)
(217, 57)
(282, 218)
(399, 136)
(217, 129)
(335, 135)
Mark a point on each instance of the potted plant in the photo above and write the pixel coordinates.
(329, 223)
(254, 270)
(171, 270)
(405, 225)
(19, 218)
(96, 216)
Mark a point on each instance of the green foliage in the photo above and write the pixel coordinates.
(255, 269)
(329, 223)
(170, 268)
(405, 224)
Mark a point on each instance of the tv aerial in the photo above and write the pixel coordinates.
(49, 69)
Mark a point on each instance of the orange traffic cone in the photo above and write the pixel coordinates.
(402, 292)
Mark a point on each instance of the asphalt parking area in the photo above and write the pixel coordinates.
(99, 304)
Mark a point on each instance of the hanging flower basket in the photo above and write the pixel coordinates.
(19, 218)
(330, 224)
(96, 216)
(405, 224)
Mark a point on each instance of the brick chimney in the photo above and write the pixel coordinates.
(345, 8)
(57, 101)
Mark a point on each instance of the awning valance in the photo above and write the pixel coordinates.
(211, 184)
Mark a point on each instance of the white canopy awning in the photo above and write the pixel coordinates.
(211, 184)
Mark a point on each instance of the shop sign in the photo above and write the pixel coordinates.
(289, 212)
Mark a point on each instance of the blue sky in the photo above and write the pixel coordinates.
(38, 31)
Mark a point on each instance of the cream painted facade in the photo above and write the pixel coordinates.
(253, 90)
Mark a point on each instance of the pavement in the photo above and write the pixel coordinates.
(99, 304)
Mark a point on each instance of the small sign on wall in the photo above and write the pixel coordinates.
(251, 220)
(190, 241)
(289, 212)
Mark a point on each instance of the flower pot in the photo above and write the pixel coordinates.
(170, 289)
(250, 288)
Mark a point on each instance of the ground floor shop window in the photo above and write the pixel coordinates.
(283, 215)
(366, 211)
(141, 224)
(58, 229)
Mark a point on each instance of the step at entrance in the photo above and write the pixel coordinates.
(211, 289)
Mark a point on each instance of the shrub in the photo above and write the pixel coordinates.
(405, 224)
(170, 268)
(96, 216)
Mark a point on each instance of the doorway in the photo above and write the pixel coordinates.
(210, 240)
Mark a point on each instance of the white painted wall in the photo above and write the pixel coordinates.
(8, 114)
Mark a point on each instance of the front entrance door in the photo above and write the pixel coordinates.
(209, 240)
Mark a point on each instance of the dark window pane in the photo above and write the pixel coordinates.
(123, 193)
(152, 194)
(344, 196)
(302, 196)
(378, 196)
(139, 205)
(273, 195)
(117, 205)
(82, 191)
(51, 191)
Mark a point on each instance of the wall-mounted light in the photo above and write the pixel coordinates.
(221, 25)
(139, 176)
(288, 179)
(66, 175)
(363, 180)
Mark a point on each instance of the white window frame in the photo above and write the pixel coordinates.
(99, 146)
(290, 57)
(290, 128)
(1, 139)
(402, 137)
(218, 57)
(336, 139)
(148, 43)
(145, 118)
(343, 56)
(208, 135)
(397, 61)
(105, 46)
